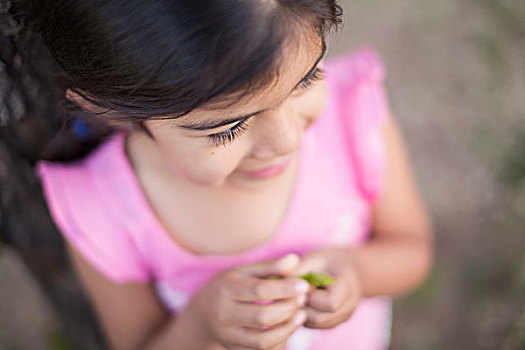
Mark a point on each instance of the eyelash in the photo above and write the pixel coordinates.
(228, 136)
(316, 75)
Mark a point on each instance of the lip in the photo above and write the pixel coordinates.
(270, 171)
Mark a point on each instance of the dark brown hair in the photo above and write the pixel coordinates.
(140, 60)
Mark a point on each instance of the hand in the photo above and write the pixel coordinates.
(326, 308)
(241, 309)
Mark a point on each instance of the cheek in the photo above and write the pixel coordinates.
(205, 167)
(212, 169)
(313, 103)
(319, 101)
(193, 159)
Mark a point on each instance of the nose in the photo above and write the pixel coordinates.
(279, 132)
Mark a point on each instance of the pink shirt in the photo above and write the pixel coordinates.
(101, 210)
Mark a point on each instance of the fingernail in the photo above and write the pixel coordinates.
(301, 287)
(288, 261)
(300, 317)
(301, 299)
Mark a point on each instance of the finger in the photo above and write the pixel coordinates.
(271, 337)
(280, 346)
(253, 315)
(263, 269)
(255, 289)
(324, 320)
(329, 299)
(309, 264)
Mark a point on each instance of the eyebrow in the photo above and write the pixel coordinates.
(213, 124)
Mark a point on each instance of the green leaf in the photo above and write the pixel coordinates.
(316, 279)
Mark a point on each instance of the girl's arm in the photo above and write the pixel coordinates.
(131, 315)
(225, 311)
(400, 253)
(396, 258)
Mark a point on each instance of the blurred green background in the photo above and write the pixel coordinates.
(456, 82)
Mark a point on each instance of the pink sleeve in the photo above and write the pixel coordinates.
(87, 222)
(365, 108)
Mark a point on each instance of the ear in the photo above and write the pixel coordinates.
(94, 110)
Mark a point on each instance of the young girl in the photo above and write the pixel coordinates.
(238, 154)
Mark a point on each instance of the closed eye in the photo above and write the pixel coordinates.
(227, 136)
(316, 75)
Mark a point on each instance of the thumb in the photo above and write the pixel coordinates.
(309, 264)
(274, 267)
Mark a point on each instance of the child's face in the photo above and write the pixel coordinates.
(286, 109)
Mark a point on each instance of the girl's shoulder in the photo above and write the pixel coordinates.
(84, 178)
(103, 156)
(363, 64)
(90, 202)
(359, 106)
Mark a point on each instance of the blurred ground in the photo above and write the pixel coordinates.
(456, 79)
